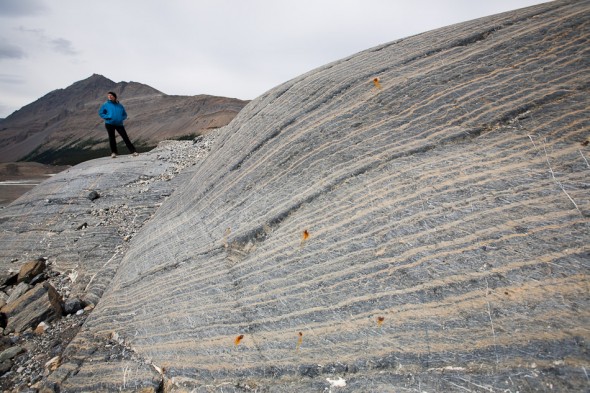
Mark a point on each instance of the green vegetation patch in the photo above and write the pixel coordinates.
(76, 153)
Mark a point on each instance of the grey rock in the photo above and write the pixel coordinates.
(38, 278)
(83, 225)
(338, 227)
(93, 195)
(8, 278)
(41, 303)
(31, 269)
(10, 353)
(73, 305)
(94, 253)
(5, 342)
(18, 291)
(5, 366)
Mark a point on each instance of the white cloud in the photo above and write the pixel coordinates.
(63, 46)
(11, 79)
(42, 39)
(10, 51)
(12, 8)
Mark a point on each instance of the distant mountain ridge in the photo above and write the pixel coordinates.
(63, 126)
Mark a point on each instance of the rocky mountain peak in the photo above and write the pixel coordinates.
(63, 127)
(95, 81)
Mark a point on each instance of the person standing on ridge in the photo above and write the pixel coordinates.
(114, 114)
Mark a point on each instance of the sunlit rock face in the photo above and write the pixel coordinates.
(412, 217)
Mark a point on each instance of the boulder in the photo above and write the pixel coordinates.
(5, 342)
(427, 233)
(71, 306)
(17, 292)
(92, 196)
(424, 233)
(5, 366)
(41, 328)
(10, 353)
(41, 303)
(31, 269)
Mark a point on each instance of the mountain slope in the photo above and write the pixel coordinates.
(428, 232)
(63, 127)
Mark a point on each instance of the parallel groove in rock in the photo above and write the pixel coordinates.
(453, 203)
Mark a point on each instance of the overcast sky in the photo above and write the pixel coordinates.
(231, 48)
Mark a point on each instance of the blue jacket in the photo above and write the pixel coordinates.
(113, 113)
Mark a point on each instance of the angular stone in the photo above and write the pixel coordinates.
(8, 278)
(31, 269)
(53, 363)
(5, 366)
(10, 353)
(41, 328)
(17, 292)
(72, 305)
(92, 196)
(41, 303)
(5, 342)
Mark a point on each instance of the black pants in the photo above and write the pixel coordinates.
(121, 130)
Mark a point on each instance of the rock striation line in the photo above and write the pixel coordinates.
(81, 222)
(427, 232)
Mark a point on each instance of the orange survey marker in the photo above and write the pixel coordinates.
(380, 321)
(299, 341)
(304, 237)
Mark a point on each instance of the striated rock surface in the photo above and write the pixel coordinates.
(412, 218)
(82, 240)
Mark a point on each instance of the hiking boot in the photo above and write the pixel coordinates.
(135, 154)
(113, 155)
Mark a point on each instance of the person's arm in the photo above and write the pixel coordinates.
(124, 113)
(104, 112)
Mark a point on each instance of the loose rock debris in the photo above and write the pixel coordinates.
(37, 332)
